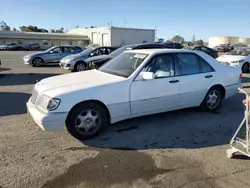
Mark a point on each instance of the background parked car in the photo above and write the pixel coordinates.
(204, 49)
(33, 46)
(224, 48)
(174, 45)
(13, 46)
(51, 55)
(77, 63)
(239, 57)
(96, 62)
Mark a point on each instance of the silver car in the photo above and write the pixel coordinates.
(77, 63)
(51, 55)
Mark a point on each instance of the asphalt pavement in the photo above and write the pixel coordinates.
(180, 149)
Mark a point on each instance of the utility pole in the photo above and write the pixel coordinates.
(156, 32)
(193, 38)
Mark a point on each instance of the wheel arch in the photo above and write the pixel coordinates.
(221, 87)
(91, 101)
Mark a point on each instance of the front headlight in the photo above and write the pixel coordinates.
(240, 61)
(47, 103)
(27, 57)
(68, 60)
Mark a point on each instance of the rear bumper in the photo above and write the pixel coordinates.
(47, 121)
(232, 90)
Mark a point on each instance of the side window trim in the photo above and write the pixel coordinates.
(154, 57)
(199, 60)
(179, 65)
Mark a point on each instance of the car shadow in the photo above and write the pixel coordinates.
(22, 78)
(4, 69)
(188, 128)
(13, 103)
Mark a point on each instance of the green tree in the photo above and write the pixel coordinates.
(199, 42)
(31, 28)
(178, 39)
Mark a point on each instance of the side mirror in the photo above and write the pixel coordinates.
(50, 52)
(147, 75)
(91, 54)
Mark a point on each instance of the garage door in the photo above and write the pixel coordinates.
(105, 39)
(94, 38)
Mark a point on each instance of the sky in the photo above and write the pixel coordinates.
(202, 18)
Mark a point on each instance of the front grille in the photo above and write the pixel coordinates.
(225, 63)
(34, 96)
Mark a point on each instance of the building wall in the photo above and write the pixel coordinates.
(125, 36)
(94, 32)
(214, 41)
(45, 40)
(115, 36)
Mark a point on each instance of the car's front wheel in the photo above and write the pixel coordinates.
(245, 67)
(80, 66)
(37, 62)
(212, 100)
(86, 120)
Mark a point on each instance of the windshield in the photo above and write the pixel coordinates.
(48, 50)
(240, 52)
(124, 64)
(121, 49)
(86, 51)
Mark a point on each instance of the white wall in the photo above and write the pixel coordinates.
(214, 41)
(125, 36)
(89, 32)
(115, 36)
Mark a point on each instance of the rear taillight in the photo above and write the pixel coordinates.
(240, 77)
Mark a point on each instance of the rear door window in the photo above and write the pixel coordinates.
(188, 63)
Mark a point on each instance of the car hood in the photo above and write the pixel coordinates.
(228, 58)
(99, 58)
(70, 82)
(35, 54)
(73, 56)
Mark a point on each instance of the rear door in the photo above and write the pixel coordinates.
(196, 78)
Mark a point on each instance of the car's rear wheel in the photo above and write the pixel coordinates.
(86, 120)
(37, 62)
(212, 100)
(80, 66)
(245, 67)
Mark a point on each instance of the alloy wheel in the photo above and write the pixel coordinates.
(88, 121)
(80, 67)
(213, 99)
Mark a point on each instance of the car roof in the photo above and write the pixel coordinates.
(158, 51)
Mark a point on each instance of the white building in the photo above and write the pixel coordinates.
(214, 41)
(116, 36)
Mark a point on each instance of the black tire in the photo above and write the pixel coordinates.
(37, 62)
(80, 66)
(37, 48)
(245, 68)
(80, 132)
(205, 103)
(7, 49)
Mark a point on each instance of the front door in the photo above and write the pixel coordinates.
(56, 54)
(159, 94)
(196, 78)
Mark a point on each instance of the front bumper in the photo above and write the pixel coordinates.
(47, 121)
(27, 61)
(64, 65)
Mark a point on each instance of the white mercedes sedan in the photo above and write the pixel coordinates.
(135, 83)
(239, 57)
